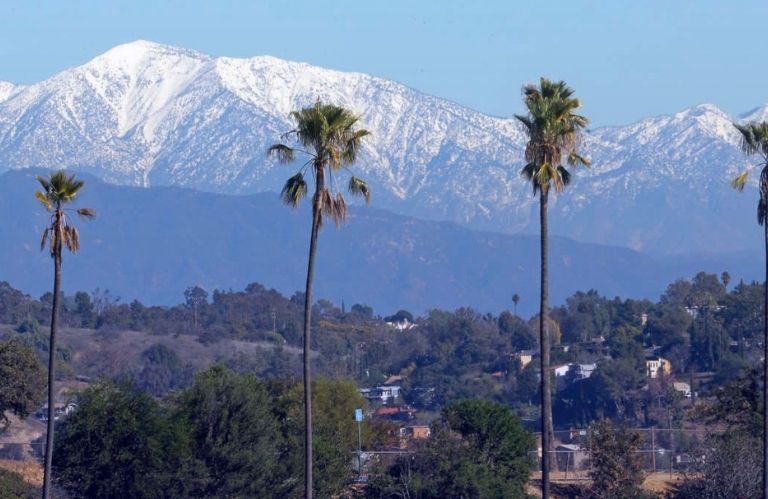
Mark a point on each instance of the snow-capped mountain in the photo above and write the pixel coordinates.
(149, 114)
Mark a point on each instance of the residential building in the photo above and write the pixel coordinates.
(655, 366)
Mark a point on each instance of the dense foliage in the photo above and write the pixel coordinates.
(477, 449)
(228, 435)
(707, 330)
(22, 381)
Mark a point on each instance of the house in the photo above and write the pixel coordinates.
(561, 369)
(383, 394)
(683, 388)
(524, 357)
(59, 410)
(584, 371)
(403, 325)
(653, 366)
(395, 413)
(410, 434)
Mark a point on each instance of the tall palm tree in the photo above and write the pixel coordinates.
(327, 135)
(515, 300)
(553, 130)
(58, 190)
(754, 140)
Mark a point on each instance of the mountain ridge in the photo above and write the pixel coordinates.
(150, 114)
(152, 243)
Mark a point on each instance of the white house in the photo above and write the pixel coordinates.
(385, 394)
(653, 366)
(683, 388)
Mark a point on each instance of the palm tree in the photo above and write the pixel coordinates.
(754, 140)
(553, 130)
(58, 190)
(515, 300)
(326, 134)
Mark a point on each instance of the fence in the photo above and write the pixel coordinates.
(660, 450)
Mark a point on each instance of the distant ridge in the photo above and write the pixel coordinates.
(152, 243)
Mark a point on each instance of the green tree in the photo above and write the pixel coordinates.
(195, 298)
(120, 444)
(335, 430)
(58, 191)
(22, 381)
(725, 466)
(477, 449)
(328, 135)
(754, 140)
(616, 465)
(234, 435)
(553, 129)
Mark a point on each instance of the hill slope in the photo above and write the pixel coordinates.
(153, 243)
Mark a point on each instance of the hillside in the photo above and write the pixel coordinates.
(152, 243)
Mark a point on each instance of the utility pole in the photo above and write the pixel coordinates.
(359, 420)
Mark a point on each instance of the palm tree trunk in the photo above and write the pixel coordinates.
(547, 433)
(51, 357)
(765, 368)
(316, 212)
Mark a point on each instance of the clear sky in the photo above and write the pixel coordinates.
(626, 59)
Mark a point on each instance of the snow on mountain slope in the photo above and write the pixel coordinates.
(151, 114)
(6, 89)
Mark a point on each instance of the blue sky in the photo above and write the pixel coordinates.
(625, 59)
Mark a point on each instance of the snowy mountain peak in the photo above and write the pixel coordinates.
(759, 114)
(6, 89)
(140, 50)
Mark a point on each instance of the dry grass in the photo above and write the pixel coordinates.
(30, 471)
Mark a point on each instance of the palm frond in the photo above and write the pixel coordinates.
(284, 153)
(359, 187)
(86, 213)
(71, 238)
(44, 239)
(740, 181)
(43, 200)
(576, 159)
(294, 190)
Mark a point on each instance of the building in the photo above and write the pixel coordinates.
(524, 357)
(654, 366)
(410, 434)
(683, 388)
(402, 325)
(395, 413)
(584, 371)
(383, 394)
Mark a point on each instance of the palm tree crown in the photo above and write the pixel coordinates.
(327, 134)
(754, 140)
(553, 130)
(58, 190)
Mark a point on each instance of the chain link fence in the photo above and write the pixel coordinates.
(661, 450)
